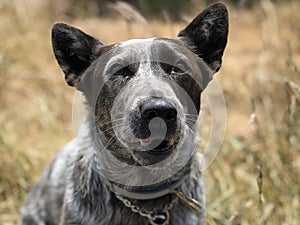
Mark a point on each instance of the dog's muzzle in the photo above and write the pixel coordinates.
(156, 125)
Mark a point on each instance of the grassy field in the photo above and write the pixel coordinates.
(256, 177)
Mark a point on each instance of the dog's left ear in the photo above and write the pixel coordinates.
(207, 35)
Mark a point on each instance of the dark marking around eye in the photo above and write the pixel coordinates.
(124, 70)
(179, 68)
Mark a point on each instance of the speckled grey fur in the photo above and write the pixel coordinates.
(70, 191)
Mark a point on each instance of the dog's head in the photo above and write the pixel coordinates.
(145, 94)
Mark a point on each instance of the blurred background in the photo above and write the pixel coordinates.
(256, 176)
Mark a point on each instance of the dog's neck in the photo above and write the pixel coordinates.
(142, 193)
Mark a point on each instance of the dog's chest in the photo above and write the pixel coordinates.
(181, 214)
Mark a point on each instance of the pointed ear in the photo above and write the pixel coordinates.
(74, 51)
(207, 35)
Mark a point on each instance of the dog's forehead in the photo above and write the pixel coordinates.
(152, 48)
(152, 43)
(133, 42)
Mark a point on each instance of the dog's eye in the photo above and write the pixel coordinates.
(118, 69)
(179, 68)
(121, 70)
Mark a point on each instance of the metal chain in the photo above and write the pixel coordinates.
(162, 218)
(143, 212)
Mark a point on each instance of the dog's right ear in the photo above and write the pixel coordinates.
(74, 51)
(207, 35)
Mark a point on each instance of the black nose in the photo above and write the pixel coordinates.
(158, 108)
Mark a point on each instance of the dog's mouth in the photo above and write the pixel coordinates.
(158, 147)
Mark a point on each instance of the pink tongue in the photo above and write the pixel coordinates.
(145, 142)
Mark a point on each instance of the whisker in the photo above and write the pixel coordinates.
(127, 131)
(191, 115)
(110, 128)
(109, 141)
(191, 119)
(113, 121)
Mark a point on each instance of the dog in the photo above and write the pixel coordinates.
(135, 159)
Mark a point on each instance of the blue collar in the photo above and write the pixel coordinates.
(145, 193)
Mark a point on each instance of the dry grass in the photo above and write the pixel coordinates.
(260, 77)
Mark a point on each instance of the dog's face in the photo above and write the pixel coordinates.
(145, 94)
(150, 98)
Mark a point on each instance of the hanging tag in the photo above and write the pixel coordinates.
(162, 218)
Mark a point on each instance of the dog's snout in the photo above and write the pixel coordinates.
(144, 126)
(158, 108)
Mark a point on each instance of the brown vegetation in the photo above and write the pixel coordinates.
(255, 178)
